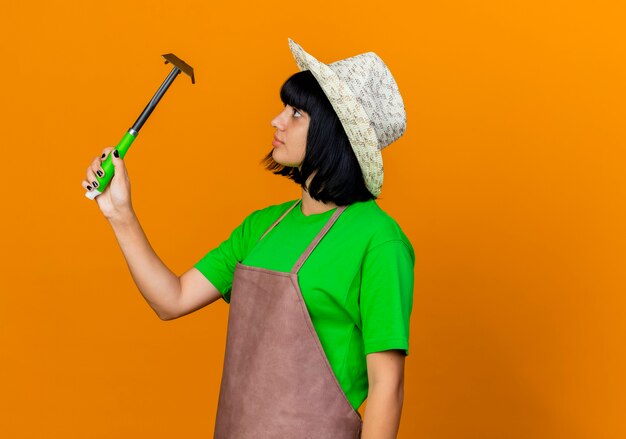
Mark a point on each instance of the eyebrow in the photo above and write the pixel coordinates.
(291, 106)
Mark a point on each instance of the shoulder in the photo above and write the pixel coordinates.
(376, 225)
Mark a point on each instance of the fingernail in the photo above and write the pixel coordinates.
(99, 172)
(95, 183)
(116, 154)
(88, 187)
(103, 154)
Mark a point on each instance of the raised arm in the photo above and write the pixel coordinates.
(167, 294)
(157, 283)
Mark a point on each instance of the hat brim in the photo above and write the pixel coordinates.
(352, 116)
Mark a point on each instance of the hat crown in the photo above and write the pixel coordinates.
(373, 85)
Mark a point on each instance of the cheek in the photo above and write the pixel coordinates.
(302, 137)
(301, 148)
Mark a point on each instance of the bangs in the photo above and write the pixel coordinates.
(301, 92)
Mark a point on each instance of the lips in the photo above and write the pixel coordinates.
(277, 139)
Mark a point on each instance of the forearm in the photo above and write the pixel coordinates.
(157, 283)
(382, 412)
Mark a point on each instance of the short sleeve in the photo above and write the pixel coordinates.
(386, 296)
(218, 265)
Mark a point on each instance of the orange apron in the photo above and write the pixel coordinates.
(277, 382)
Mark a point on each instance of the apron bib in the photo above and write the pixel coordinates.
(277, 382)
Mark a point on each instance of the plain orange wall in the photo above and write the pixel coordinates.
(510, 183)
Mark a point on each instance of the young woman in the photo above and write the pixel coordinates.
(320, 288)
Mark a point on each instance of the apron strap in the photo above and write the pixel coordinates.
(281, 217)
(317, 239)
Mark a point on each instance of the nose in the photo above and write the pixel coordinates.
(278, 121)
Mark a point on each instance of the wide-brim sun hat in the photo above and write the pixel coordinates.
(367, 101)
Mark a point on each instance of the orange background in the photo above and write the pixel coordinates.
(510, 182)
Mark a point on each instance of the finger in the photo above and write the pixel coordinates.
(87, 185)
(96, 167)
(118, 164)
(106, 151)
(91, 178)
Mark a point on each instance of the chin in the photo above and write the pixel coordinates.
(277, 158)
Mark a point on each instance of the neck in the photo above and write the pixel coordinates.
(312, 206)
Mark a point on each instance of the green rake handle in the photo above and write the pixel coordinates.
(131, 134)
(108, 167)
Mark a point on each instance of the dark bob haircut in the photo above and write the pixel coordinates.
(339, 178)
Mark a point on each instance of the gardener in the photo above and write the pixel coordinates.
(319, 288)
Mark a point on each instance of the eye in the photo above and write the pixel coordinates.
(294, 111)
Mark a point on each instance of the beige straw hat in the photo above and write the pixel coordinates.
(367, 101)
